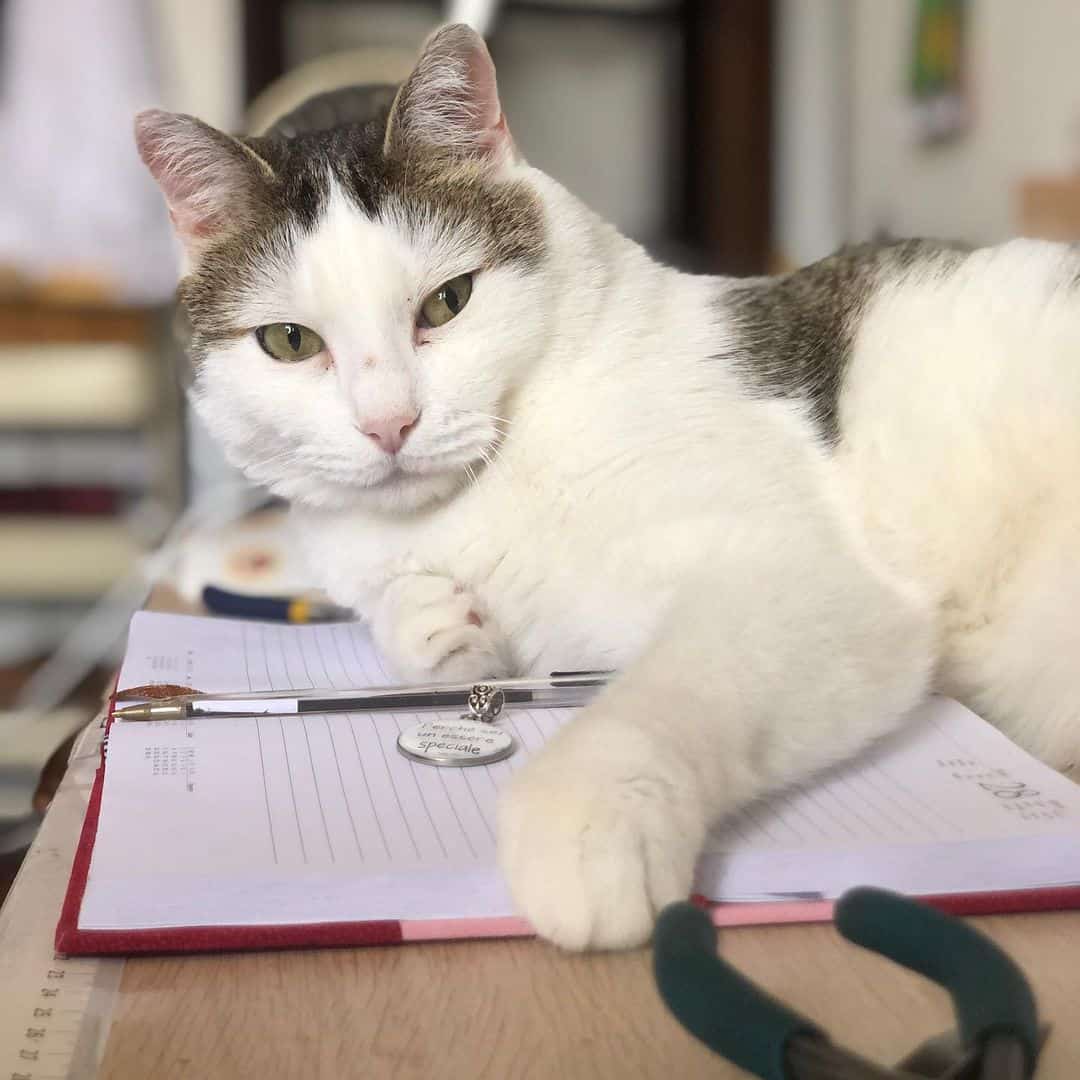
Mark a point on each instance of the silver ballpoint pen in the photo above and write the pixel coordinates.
(484, 700)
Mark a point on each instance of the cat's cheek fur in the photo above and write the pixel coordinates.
(273, 422)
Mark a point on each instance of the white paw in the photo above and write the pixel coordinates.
(429, 627)
(596, 836)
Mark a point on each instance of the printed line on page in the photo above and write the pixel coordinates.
(266, 789)
(292, 790)
(243, 649)
(344, 793)
(266, 657)
(467, 777)
(367, 788)
(390, 780)
(900, 823)
(300, 639)
(457, 816)
(332, 631)
(847, 809)
(318, 788)
(420, 791)
(881, 789)
(934, 816)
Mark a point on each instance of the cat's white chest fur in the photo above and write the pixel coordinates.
(596, 503)
(572, 573)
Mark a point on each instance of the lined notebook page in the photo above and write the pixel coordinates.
(319, 818)
(948, 804)
(294, 819)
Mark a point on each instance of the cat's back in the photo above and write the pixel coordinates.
(957, 416)
(966, 353)
(874, 321)
(923, 339)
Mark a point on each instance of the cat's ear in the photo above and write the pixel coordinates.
(210, 180)
(449, 106)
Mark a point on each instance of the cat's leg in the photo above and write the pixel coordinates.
(431, 628)
(780, 659)
(1018, 662)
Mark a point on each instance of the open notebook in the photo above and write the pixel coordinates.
(234, 833)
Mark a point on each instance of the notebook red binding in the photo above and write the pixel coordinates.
(73, 941)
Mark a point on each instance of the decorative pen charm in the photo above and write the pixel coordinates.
(485, 703)
(472, 739)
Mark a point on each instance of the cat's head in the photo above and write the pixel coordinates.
(362, 300)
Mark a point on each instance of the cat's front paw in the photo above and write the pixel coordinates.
(594, 841)
(430, 628)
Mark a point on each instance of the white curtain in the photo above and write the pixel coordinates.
(74, 196)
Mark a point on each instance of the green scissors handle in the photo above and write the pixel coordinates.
(713, 1001)
(989, 993)
(732, 1016)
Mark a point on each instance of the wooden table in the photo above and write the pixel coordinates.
(496, 1010)
(511, 1009)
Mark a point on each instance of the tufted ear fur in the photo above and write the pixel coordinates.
(209, 179)
(449, 106)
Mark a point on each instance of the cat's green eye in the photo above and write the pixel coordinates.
(446, 301)
(289, 341)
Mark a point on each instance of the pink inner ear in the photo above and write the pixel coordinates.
(190, 211)
(492, 129)
(498, 136)
(451, 102)
(195, 169)
(485, 92)
(194, 226)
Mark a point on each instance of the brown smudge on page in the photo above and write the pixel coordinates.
(151, 691)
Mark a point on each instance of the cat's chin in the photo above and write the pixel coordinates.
(400, 492)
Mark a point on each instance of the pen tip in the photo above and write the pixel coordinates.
(151, 711)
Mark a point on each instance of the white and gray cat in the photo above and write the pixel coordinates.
(782, 508)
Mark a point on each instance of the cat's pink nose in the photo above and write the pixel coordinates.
(390, 432)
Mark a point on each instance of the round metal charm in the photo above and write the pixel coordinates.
(457, 743)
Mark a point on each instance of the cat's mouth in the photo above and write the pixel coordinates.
(408, 485)
(410, 472)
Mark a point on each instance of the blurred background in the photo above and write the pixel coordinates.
(729, 136)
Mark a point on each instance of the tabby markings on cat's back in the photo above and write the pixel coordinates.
(793, 335)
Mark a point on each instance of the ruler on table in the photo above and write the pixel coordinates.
(54, 1011)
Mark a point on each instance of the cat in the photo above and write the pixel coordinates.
(783, 509)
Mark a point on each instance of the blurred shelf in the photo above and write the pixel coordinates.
(50, 558)
(92, 458)
(26, 322)
(96, 384)
(56, 457)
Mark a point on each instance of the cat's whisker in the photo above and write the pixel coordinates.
(272, 461)
(491, 458)
(497, 421)
(280, 454)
